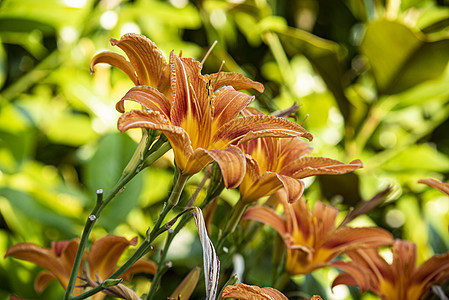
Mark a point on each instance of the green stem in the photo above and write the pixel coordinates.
(100, 205)
(146, 244)
(236, 215)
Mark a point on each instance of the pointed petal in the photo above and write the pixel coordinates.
(236, 80)
(116, 60)
(243, 291)
(311, 166)
(227, 105)
(42, 281)
(293, 187)
(105, 253)
(149, 97)
(404, 258)
(432, 270)
(189, 93)
(42, 257)
(186, 287)
(267, 216)
(177, 136)
(324, 217)
(247, 128)
(355, 275)
(444, 187)
(230, 160)
(147, 60)
(141, 266)
(210, 258)
(347, 238)
(292, 149)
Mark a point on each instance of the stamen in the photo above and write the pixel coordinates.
(209, 51)
(180, 53)
(305, 119)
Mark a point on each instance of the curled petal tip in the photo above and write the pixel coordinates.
(113, 41)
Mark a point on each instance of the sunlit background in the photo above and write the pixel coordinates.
(371, 80)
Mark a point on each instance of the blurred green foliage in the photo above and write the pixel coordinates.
(372, 78)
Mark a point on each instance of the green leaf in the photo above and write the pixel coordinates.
(400, 57)
(104, 170)
(33, 210)
(418, 158)
(324, 55)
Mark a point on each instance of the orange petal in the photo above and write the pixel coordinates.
(141, 266)
(347, 238)
(274, 293)
(267, 216)
(42, 257)
(236, 80)
(232, 165)
(149, 97)
(116, 60)
(266, 185)
(105, 253)
(355, 275)
(148, 61)
(404, 258)
(444, 187)
(246, 292)
(186, 287)
(227, 104)
(432, 270)
(310, 166)
(292, 149)
(293, 187)
(251, 127)
(190, 102)
(42, 281)
(178, 137)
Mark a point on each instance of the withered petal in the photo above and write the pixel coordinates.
(236, 80)
(186, 287)
(243, 291)
(267, 216)
(443, 187)
(105, 253)
(115, 60)
(147, 60)
(274, 293)
(149, 97)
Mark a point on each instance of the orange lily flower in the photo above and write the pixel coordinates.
(102, 260)
(311, 237)
(273, 163)
(203, 125)
(400, 280)
(147, 66)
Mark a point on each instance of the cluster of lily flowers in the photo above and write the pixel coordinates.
(206, 118)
